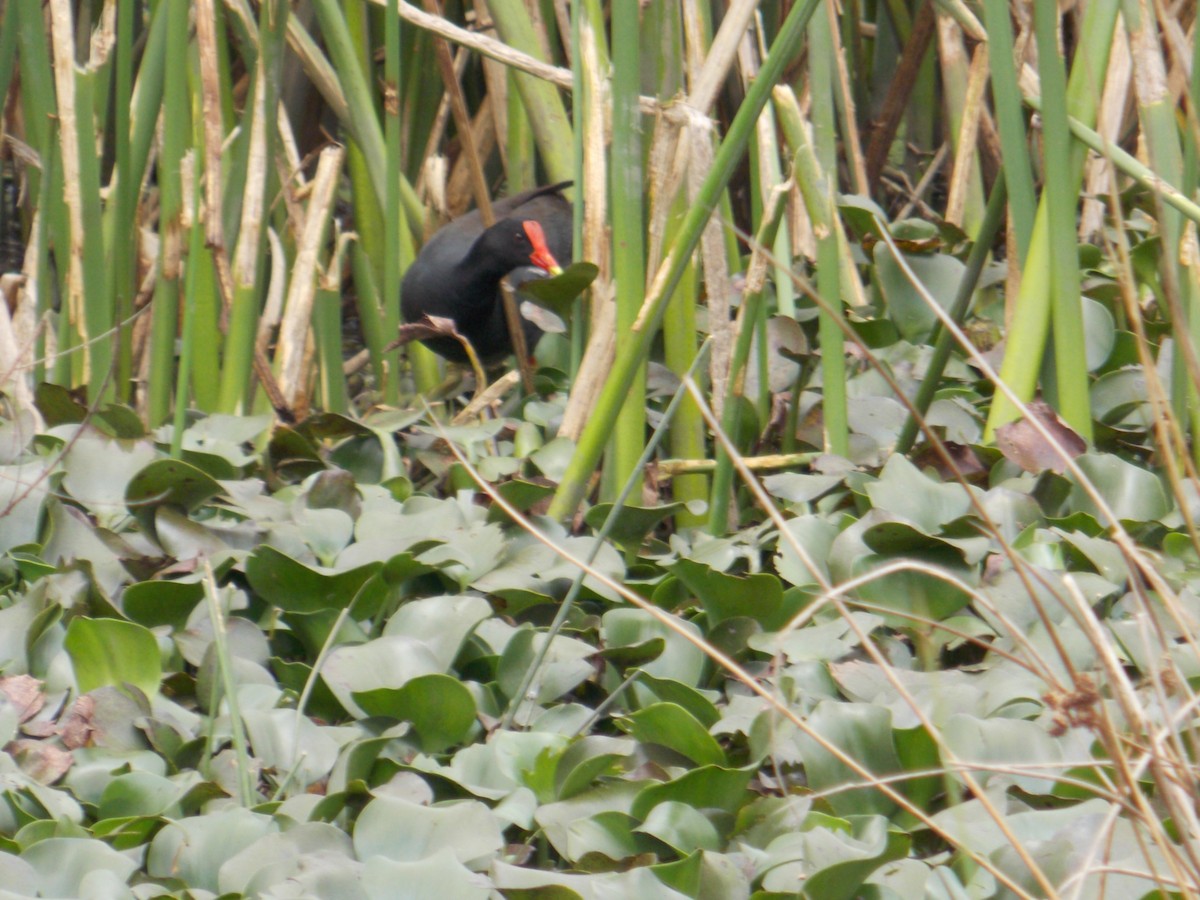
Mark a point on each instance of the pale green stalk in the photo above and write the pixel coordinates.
(1070, 370)
(628, 227)
(1010, 122)
(1030, 324)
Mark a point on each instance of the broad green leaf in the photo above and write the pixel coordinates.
(672, 726)
(112, 652)
(440, 708)
(406, 832)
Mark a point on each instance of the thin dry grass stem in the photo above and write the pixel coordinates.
(833, 593)
(927, 179)
(869, 779)
(1169, 435)
(497, 50)
(968, 136)
(1100, 177)
(297, 317)
(1021, 568)
(852, 142)
(1180, 804)
(246, 255)
(1120, 536)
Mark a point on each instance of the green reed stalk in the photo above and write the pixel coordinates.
(1032, 310)
(1010, 122)
(628, 227)
(176, 132)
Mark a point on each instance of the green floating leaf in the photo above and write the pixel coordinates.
(691, 699)
(588, 759)
(674, 727)
(294, 587)
(154, 603)
(682, 827)
(1133, 493)
(440, 708)
(559, 292)
(632, 523)
(916, 591)
(725, 596)
(904, 490)
(906, 306)
(404, 831)
(863, 732)
(710, 787)
(111, 652)
(167, 482)
(58, 405)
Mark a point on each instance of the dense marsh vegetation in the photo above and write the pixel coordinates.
(842, 543)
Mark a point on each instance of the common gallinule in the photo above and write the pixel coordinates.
(457, 273)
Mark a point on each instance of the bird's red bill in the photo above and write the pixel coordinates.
(541, 255)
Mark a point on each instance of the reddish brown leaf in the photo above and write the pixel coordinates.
(1022, 443)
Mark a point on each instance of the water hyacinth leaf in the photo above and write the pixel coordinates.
(694, 701)
(440, 708)
(194, 849)
(294, 746)
(167, 482)
(441, 623)
(632, 523)
(111, 652)
(294, 587)
(23, 490)
(673, 727)
(681, 827)
(438, 875)
(906, 306)
(1134, 494)
(863, 732)
(606, 834)
(228, 437)
(565, 666)
(96, 471)
(140, 794)
(558, 293)
(154, 603)
(705, 874)
(312, 855)
(919, 590)
(904, 490)
(586, 760)
(709, 787)
(816, 536)
(1007, 744)
(406, 832)
(634, 655)
(833, 862)
(724, 596)
(681, 660)
(386, 662)
(70, 867)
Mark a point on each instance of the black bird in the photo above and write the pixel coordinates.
(457, 273)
